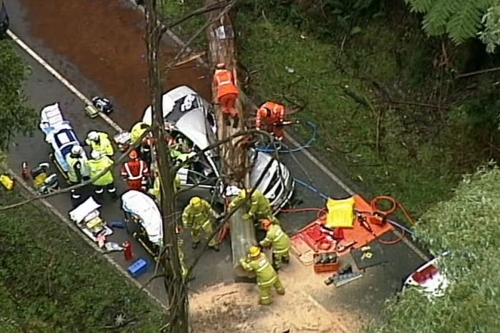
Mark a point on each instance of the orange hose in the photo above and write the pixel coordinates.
(395, 205)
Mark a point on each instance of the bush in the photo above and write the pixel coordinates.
(52, 281)
(467, 227)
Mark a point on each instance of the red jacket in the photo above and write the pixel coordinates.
(277, 113)
(135, 172)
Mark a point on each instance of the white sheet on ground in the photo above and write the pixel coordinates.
(141, 205)
(85, 209)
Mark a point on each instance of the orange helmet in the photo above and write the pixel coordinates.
(265, 223)
(264, 113)
(220, 65)
(132, 155)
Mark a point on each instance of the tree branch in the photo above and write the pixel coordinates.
(196, 34)
(199, 11)
(225, 218)
(83, 184)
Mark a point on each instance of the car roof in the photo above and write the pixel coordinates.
(184, 108)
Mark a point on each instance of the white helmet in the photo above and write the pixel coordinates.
(76, 150)
(93, 136)
(95, 154)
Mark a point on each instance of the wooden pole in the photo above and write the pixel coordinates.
(221, 38)
(177, 316)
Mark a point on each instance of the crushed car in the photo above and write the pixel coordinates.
(187, 114)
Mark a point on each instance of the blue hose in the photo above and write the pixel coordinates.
(325, 197)
(311, 188)
(400, 226)
(270, 149)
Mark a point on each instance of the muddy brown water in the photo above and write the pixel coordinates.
(105, 41)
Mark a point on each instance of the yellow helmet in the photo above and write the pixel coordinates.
(254, 251)
(195, 201)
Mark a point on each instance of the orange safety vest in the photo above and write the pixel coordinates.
(277, 113)
(223, 79)
(135, 170)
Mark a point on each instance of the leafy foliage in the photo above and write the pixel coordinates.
(491, 34)
(467, 226)
(51, 281)
(324, 18)
(460, 19)
(15, 115)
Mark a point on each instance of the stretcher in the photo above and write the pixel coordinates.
(143, 221)
(59, 134)
(87, 218)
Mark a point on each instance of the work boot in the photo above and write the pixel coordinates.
(215, 247)
(276, 267)
(280, 292)
(265, 302)
(195, 245)
(286, 260)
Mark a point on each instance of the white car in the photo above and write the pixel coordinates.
(187, 113)
(429, 279)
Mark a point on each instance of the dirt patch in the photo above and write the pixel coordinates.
(234, 308)
(107, 48)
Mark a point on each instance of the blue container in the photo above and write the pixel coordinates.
(117, 224)
(138, 268)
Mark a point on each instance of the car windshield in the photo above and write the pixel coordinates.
(252, 156)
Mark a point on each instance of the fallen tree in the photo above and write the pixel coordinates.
(221, 39)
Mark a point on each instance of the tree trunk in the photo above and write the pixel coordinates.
(234, 154)
(177, 317)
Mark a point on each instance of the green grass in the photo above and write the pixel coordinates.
(414, 154)
(52, 281)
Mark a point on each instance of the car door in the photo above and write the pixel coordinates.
(195, 183)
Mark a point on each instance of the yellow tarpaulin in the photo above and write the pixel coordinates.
(340, 213)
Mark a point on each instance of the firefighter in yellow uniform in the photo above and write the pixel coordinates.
(266, 275)
(78, 172)
(145, 145)
(280, 242)
(197, 217)
(137, 131)
(100, 142)
(97, 164)
(259, 206)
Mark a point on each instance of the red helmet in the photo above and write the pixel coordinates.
(132, 155)
(264, 112)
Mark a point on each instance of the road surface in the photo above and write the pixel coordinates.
(72, 37)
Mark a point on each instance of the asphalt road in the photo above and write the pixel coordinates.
(364, 296)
